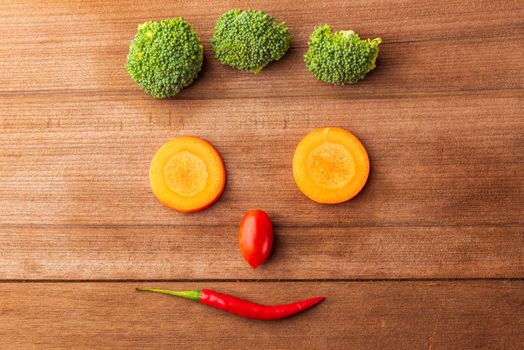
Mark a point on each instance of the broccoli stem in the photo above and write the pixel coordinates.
(347, 33)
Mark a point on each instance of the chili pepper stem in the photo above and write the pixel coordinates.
(187, 294)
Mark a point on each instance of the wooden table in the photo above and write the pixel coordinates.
(429, 255)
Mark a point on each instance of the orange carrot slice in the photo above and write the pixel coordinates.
(330, 165)
(187, 174)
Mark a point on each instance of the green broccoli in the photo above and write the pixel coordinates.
(164, 57)
(249, 40)
(340, 58)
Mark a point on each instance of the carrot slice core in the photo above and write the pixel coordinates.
(187, 174)
(330, 165)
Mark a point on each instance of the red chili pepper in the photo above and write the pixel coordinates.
(241, 307)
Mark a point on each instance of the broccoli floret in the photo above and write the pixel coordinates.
(164, 57)
(249, 40)
(340, 58)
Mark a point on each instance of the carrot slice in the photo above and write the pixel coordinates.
(187, 174)
(330, 165)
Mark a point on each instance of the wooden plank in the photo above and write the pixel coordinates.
(378, 315)
(82, 253)
(428, 47)
(442, 160)
(400, 20)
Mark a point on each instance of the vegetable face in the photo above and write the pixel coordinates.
(330, 165)
(242, 308)
(249, 40)
(340, 58)
(187, 174)
(255, 237)
(164, 57)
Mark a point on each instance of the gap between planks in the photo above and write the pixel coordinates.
(139, 226)
(268, 280)
(364, 95)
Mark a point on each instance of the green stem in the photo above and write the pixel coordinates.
(187, 294)
(347, 33)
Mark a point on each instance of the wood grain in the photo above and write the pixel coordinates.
(173, 252)
(448, 160)
(373, 315)
(428, 47)
(437, 233)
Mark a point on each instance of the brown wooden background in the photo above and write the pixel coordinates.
(429, 255)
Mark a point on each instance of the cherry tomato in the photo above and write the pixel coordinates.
(255, 237)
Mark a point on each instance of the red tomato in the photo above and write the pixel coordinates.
(255, 237)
